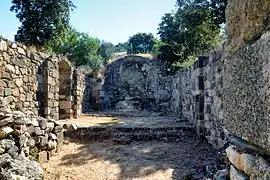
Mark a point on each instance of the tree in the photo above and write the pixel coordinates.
(42, 20)
(106, 50)
(80, 48)
(217, 8)
(192, 30)
(140, 43)
(121, 47)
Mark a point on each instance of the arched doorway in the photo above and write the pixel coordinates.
(65, 98)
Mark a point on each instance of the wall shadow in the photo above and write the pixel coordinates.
(188, 157)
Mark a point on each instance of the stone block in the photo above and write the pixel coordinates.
(51, 153)
(59, 146)
(14, 45)
(50, 80)
(65, 105)
(31, 142)
(52, 144)
(38, 131)
(19, 82)
(237, 175)
(6, 101)
(42, 124)
(60, 136)
(47, 110)
(50, 126)
(7, 92)
(43, 141)
(10, 68)
(242, 161)
(58, 129)
(4, 131)
(15, 92)
(52, 136)
(3, 83)
(3, 45)
(6, 121)
(42, 157)
(21, 51)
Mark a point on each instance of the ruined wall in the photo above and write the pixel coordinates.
(246, 92)
(32, 80)
(136, 83)
(246, 20)
(21, 72)
(197, 96)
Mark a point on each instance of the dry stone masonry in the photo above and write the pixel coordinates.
(24, 139)
(47, 85)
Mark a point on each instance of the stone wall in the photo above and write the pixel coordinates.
(197, 96)
(39, 82)
(246, 93)
(24, 139)
(136, 83)
(246, 20)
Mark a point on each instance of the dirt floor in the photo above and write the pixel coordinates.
(153, 160)
(140, 160)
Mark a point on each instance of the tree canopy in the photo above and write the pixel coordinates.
(193, 29)
(41, 20)
(106, 50)
(140, 43)
(79, 47)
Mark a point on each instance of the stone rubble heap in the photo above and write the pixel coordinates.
(25, 139)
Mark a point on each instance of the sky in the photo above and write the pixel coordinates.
(110, 20)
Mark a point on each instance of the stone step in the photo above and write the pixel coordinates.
(133, 133)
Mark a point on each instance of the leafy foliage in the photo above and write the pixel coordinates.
(193, 29)
(121, 47)
(42, 20)
(80, 48)
(140, 43)
(106, 50)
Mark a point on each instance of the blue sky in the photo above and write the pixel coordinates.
(110, 20)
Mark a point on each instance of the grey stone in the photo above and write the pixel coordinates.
(50, 126)
(52, 144)
(3, 45)
(2, 149)
(221, 174)
(4, 131)
(6, 121)
(31, 129)
(10, 68)
(19, 82)
(58, 129)
(52, 136)
(38, 131)
(23, 140)
(19, 62)
(31, 142)
(43, 141)
(236, 175)
(42, 124)
(7, 143)
(13, 151)
(6, 101)
(19, 167)
(21, 51)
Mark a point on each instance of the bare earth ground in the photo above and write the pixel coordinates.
(147, 160)
(139, 160)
